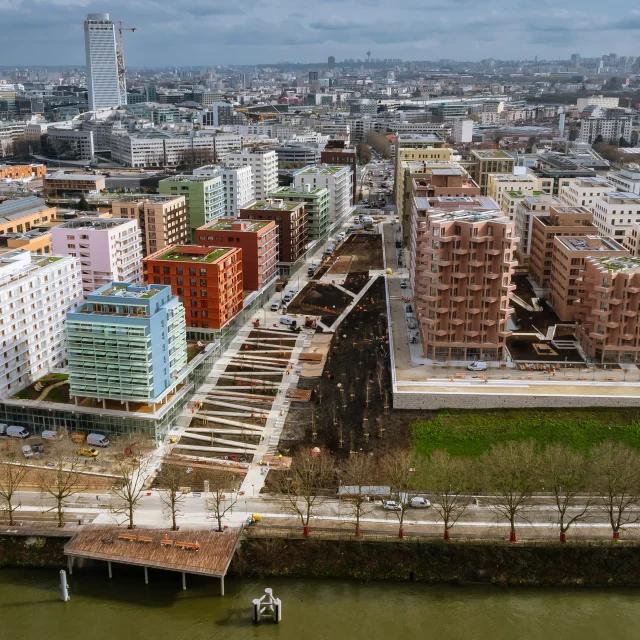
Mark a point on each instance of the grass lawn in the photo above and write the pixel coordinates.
(470, 433)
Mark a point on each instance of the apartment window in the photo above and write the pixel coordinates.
(180, 291)
(192, 272)
(179, 280)
(179, 270)
(156, 269)
(166, 270)
(156, 280)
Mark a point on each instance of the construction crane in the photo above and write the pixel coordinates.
(122, 81)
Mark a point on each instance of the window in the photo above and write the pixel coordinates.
(166, 270)
(192, 272)
(179, 270)
(167, 280)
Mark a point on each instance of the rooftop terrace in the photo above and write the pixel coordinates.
(272, 205)
(322, 169)
(590, 243)
(226, 225)
(620, 263)
(189, 254)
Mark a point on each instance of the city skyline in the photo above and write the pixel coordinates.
(219, 33)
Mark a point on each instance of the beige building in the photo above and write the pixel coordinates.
(486, 162)
(569, 255)
(61, 182)
(582, 192)
(609, 309)
(562, 221)
(527, 209)
(499, 184)
(163, 220)
(461, 277)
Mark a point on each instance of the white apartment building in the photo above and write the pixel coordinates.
(264, 169)
(226, 143)
(598, 101)
(238, 186)
(611, 129)
(583, 192)
(336, 129)
(35, 294)
(108, 250)
(336, 178)
(103, 83)
(627, 179)
(615, 213)
(462, 130)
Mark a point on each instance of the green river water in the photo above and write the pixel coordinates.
(124, 608)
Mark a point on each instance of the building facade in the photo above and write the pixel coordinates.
(163, 220)
(237, 183)
(126, 343)
(338, 152)
(527, 209)
(103, 82)
(108, 250)
(258, 242)
(615, 213)
(335, 178)
(35, 295)
(486, 162)
(264, 168)
(207, 280)
(317, 205)
(72, 184)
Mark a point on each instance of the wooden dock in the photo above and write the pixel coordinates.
(197, 551)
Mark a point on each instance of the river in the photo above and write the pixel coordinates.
(125, 609)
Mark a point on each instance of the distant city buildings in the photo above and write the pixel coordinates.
(336, 179)
(264, 169)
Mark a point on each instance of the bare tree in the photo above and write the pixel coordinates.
(12, 474)
(62, 479)
(448, 479)
(360, 473)
(565, 474)
(173, 480)
(132, 465)
(615, 471)
(301, 488)
(380, 143)
(510, 473)
(399, 470)
(222, 494)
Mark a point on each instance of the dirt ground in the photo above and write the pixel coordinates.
(365, 249)
(320, 299)
(353, 400)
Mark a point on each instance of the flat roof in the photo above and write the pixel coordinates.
(590, 243)
(128, 291)
(619, 263)
(95, 223)
(61, 175)
(183, 254)
(226, 225)
(265, 205)
(322, 169)
(159, 548)
(292, 191)
(491, 153)
(151, 199)
(621, 196)
(419, 137)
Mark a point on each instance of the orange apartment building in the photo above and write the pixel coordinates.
(609, 309)
(567, 264)
(258, 241)
(24, 214)
(562, 221)
(163, 220)
(21, 171)
(461, 276)
(208, 281)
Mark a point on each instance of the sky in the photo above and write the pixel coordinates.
(219, 32)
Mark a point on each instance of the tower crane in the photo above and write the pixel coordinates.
(122, 81)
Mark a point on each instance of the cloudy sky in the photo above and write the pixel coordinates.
(209, 32)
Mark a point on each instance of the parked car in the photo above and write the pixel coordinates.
(478, 365)
(88, 452)
(26, 451)
(419, 502)
(288, 296)
(288, 321)
(403, 284)
(275, 306)
(97, 440)
(411, 323)
(391, 505)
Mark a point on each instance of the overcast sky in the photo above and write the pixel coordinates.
(209, 32)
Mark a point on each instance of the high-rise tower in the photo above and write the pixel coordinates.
(102, 63)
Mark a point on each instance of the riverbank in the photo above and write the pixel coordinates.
(579, 563)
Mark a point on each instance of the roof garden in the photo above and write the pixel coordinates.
(194, 253)
(324, 169)
(291, 191)
(619, 263)
(273, 205)
(252, 225)
(43, 262)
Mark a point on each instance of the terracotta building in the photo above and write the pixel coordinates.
(461, 277)
(446, 183)
(562, 221)
(163, 220)
(567, 264)
(258, 241)
(21, 171)
(339, 152)
(291, 220)
(207, 280)
(609, 309)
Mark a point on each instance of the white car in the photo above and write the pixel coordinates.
(419, 502)
(478, 365)
(275, 306)
(391, 505)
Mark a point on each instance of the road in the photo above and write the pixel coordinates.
(480, 520)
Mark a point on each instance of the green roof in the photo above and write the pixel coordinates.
(254, 225)
(281, 192)
(177, 254)
(322, 169)
(271, 206)
(618, 263)
(43, 262)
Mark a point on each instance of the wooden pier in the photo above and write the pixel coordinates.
(197, 551)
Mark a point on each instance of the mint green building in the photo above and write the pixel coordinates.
(204, 196)
(317, 204)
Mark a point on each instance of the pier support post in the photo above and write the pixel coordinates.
(64, 587)
(184, 581)
(146, 575)
(109, 567)
(70, 565)
(221, 585)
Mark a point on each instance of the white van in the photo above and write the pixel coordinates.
(51, 435)
(330, 249)
(288, 321)
(16, 432)
(288, 297)
(97, 440)
(478, 365)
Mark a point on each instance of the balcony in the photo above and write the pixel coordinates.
(615, 301)
(474, 310)
(460, 252)
(629, 313)
(492, 276)
(612, 325)
(457, 321)
(458, 298)
(474, 287)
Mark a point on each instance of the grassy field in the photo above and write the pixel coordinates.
(470, 433)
